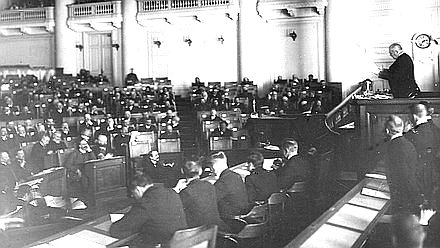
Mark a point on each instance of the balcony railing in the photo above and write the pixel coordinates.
(158, 5)
(34, 14)
(94, 9)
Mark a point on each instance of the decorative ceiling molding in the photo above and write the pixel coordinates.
(188, 16)
(279, 9)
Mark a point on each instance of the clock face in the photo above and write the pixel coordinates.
(423, 41)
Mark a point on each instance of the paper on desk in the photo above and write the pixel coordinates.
(325, 237)
(353, 217)
(54, 201)
(70, 241)
(375, 193)
(375, 175)
(115, 217)
(31, 183)
(95, 237)
(78, 205)
(242, 172)
(268, 162)
(104, 226)
(272, 148)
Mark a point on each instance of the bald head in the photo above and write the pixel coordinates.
(394, 125)
(395, 50)
(419, 110)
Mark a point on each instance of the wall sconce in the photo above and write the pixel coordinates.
(80, 47)
(188, 40)
(221, 39)
(116, 46)
(292, 35)
(157, 43)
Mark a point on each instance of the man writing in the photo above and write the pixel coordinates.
(400, 75)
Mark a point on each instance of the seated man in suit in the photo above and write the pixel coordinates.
(260, 184)
(87, 123)
(169, 133)
(213, 116)
(131, 78)
(199, 199)
(22, 136)
(156, 214)
(75, 168)
(121, 141)
(154, 168)
(39, 150)
(101, 149)
(222, 130)
(21, 167)
(295, 169)
(147, 126)
(56, 143)
(231, 192)
(66, 133)
(7, 184)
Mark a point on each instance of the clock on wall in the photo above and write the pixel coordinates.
(423, 41)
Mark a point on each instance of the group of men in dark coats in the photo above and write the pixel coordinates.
(413, 162)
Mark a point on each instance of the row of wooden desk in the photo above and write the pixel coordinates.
(350, 221)
(95, 233)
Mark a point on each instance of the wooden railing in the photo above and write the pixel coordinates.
(94, 9)
(34, 14)
(158, 5)
(341, 113)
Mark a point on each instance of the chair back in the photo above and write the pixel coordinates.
(258, 212)
(186, 233)
(254, 230)
(202, 239)
(277, 198)
(298, 187)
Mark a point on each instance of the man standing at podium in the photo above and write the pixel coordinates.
(400, 75)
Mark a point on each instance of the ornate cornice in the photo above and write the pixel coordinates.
(275, 9)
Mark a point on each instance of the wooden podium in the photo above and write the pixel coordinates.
(106, 180)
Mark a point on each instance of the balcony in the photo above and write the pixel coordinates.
(27, 21)
(171, 11)
(101, 16)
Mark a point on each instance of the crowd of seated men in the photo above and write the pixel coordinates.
(286, 96)
(42, 119)
(208, 192)
(22, 4)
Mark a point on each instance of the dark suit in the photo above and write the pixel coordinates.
(58, 117)
(426, 140)
(400, 76)
(200, 204)
(295, 170)
(156, 216)
(231, 194)
(37, 157)
(401, 158)
(160, 173)
(260, 184)
(22, 170)
(120, 142)
(219, 133)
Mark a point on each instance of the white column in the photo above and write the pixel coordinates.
(349, 39)
(65, 39)
(130, 39)
(252, 45)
